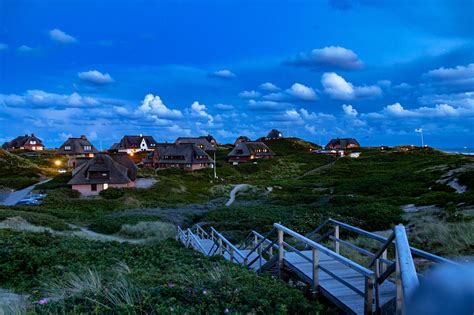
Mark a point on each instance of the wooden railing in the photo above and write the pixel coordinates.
(316, 249)
(222, 245)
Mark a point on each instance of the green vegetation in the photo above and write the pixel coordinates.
(136, 279)
(17, 172)
(297, 188)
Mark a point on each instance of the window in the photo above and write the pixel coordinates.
(33, 142)
(67, 148)
(106, 186)
(93, 187)
(87, 148)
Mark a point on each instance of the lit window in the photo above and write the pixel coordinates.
(67, 148)
(87, 148)
(106, 186)
(32, 142)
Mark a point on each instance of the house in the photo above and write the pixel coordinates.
(186, 156)
(247, 151)
(241, 139)
(133, 144)
(76, 149)
(201, 142)
(102, 172)
(26, 142)
(343, 143)
(211, 140)
(274, 134)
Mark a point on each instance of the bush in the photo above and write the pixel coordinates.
(112, 193)
(110, 225)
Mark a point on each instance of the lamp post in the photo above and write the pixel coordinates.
(215, 165)
(420, 131)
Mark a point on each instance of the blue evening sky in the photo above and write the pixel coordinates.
(371, 69)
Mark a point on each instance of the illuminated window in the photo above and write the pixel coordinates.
(106, 186)
(67, 148)
(87, 148)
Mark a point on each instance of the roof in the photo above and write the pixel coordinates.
(132, 142)
(201, 142)
(242, 139)
(342, 142)
(77, 146)
(118, 173)
(21, 141)
(189, 152)
(275, 134)
(249, 148)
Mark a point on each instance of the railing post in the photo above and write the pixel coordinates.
(369, 295)
(255, 240)
(398, 282)
(280, 250)
(384, 265)
(376, 286)
(336, 238)
(231, 253)
(315, 271)
(219, 242)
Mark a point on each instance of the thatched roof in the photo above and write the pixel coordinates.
(133, 142)
(21, 141)
(342, 143)
(185, 153)
(116, 170)
(200, 142)
(77, 146)
(251, 148)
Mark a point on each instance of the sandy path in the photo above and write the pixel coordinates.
(234, 192)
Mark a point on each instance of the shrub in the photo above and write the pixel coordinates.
(150, 230)
(112, 193)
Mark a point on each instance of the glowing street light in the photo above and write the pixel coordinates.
(57, 162)
(420, 131)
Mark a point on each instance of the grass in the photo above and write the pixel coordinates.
(154, 278)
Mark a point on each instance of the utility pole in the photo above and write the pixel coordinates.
(420, 131)
(215, 165)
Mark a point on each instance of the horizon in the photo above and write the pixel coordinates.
(370, 70)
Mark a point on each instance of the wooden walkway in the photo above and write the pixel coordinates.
(353, 288)
(336, 291)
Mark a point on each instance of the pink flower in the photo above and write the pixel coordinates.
(43, 301)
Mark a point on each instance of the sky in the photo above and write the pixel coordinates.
(374, 70)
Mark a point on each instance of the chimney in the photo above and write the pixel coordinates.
(32, 134)
(83, 137)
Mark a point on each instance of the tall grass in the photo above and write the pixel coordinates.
(153, 230)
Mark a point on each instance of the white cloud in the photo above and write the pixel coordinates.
(41, 98)
(457, 75)
(64, 136)
(315, 116)
(349, 110)
(3, 46)
(384, 83)
(438, 111)
(249, 94)
(266, 105)
(302, 92)
(61, 37)
(225, 74)
(267, 86)
(224, 106)
(201, 111)
(154, 107)
(24, 49)
(96, 77)
(310, 129)
(338, 88)
(328, 57)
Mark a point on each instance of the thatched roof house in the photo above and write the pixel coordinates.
(186, 156)
(132, 144)
(102, 172)
(247, 151)
(241, 139)
(26, 142)
(343, 143)
(77, 147)
(201, 142)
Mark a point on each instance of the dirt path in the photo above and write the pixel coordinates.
(20, 224)
(317, 169)
(234, 192)
(14, 197)
(11, 303)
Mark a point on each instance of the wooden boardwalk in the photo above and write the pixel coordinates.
(350, 286)
(334, 290)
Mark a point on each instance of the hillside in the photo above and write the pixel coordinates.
(17, 172)
(370, 192)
